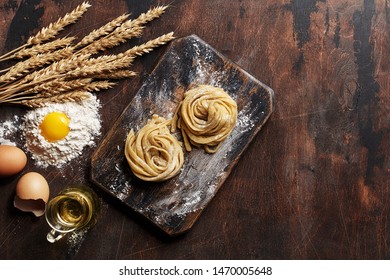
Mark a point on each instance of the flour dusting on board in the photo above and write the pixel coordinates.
(204, 63)
(185, 198)
(157, 94)
(245, 119)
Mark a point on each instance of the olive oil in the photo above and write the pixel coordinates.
(73, 209)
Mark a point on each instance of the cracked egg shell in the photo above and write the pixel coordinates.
(32, 193)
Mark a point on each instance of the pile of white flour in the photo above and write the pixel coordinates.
(84, 126)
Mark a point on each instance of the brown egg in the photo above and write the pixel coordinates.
(12, 160)
(32, 193)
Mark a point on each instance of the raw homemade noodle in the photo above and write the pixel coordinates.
(154, 154)
(206, 117)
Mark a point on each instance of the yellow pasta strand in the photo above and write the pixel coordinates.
(154, 154)
(206, 117)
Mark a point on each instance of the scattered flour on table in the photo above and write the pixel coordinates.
(85, 125)
(7, 131)
(75, 240)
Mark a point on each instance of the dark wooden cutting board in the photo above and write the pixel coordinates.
(176, 204)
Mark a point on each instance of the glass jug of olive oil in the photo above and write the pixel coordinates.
(75, 208)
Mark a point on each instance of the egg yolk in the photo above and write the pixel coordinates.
(55, 126)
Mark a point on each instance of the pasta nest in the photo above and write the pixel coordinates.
(206, 117)
(154, 154)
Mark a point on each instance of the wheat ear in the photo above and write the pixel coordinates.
(72, 76)
(58, 86)
(76, 96)
(98, 86)
(150, 45)
(96, 69)
(24, 67)
(150, 15)
(127, 30)
(111, 41)
(49, 32)
(102, 31)
(133, 52)
(56, 68)
(48, 89)
(116, 75)
(44, 48)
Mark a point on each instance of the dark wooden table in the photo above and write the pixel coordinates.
(314, 183)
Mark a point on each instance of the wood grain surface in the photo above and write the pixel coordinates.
(313, 184)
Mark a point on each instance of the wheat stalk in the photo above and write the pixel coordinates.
(23, 67)
(46, 74)
(50, 88)
(58, 86)
(150, 45)
(99, 85)
(76, 96)
(81, 66)
(102, 59)
(141, 20)
(128, 56)
(97, 68)
(110, 41)
(150, 15)
(127, 30)
(102, 31)
(116, 75)
(44, 48)
(56, 68)
(49, 32)
(60, 71)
